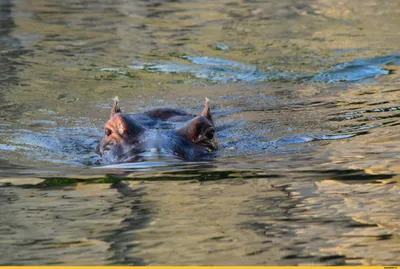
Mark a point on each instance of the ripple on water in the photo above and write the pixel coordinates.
(76, 145)
(359, 69)
(58, 145)
(225, 71)
(215, 69)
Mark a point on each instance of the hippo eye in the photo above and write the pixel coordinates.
(210, 135)
(107, 131)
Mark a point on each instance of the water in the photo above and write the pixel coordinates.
(224, 71)
(306, 100)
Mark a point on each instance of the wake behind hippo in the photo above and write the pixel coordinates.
(158, 132)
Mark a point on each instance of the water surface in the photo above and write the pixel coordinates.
(306, 100)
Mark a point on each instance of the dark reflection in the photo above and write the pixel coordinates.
(6, 21)
(9, 45)
(349, 176)
(199, 175)
(121, 239)
(10, 49)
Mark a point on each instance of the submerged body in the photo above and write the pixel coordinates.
(159, 132)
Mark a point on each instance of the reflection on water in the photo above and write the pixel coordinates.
(306, 100)
(10, 49)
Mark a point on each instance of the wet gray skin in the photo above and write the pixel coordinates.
(134, 137)
(306, 105)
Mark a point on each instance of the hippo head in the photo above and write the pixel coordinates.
(157, 133)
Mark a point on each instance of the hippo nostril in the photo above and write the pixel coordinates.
(110, 143)
(107, 146)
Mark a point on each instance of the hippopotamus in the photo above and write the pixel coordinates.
(161, 132)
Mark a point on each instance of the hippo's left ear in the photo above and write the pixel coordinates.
(115, 108)
(198, 130)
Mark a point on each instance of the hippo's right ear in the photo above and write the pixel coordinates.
(115, 108)
(199, 130)
(207, 111)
